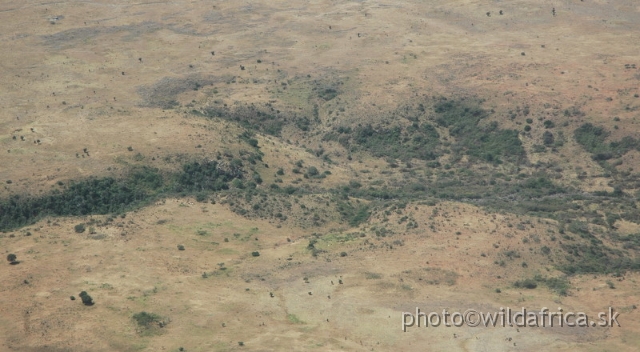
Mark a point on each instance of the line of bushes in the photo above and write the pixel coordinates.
(107, 195)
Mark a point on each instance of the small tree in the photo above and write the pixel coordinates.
(11, 258)
(79, 228)
(86, 299)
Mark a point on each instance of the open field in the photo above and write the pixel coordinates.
(323, 166)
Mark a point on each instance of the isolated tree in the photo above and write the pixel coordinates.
(86, 299)
(11, 258)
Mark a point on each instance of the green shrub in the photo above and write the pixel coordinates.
(79, 228)
(312, 171)
(146, 320)
(527, 283)
(86, 299)
(353, 215)
(591, 137)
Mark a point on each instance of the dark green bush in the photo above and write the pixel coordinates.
(86, 299)
(109, 195)
(312, 171)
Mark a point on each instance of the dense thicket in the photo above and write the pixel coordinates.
(110, 195)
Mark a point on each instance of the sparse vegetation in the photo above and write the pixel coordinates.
(527, 283)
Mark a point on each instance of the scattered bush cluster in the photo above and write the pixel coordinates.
(593, 140)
